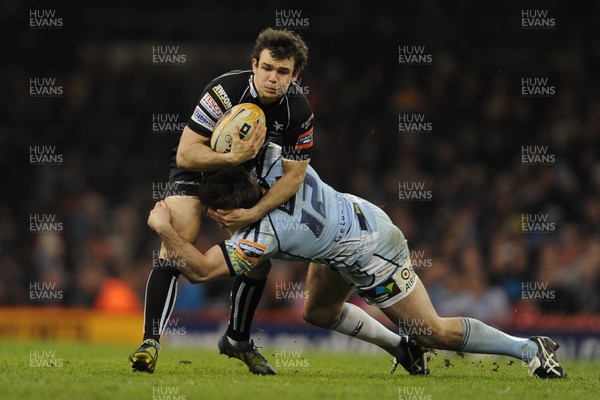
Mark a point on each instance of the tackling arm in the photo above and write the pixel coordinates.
(283, 189)
(194, 265)
(279, 193)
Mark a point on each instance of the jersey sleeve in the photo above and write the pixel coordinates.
(298, 139)
(249, 248)
(214, 102)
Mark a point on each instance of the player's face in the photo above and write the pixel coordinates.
(272, 77)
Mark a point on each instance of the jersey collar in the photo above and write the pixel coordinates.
(253, 91)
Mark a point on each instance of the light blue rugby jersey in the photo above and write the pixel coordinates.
(317, 223)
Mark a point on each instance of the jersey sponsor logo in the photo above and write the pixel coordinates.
(405, 273)
(379, 290)
(383, 292)
(309, 121)
(211, 106)
(250, 251)
(305, 140)
(202, 119)
(237, 263)
(223, 97)
(407, 276)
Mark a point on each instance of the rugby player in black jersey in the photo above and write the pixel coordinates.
(277, 59)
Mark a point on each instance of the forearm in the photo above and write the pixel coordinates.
(201, 158)
(183, 255)
(279, 193)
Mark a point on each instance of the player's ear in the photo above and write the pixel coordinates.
(254, 64)
(295, 75)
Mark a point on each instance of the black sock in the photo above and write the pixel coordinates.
(161, 292)
(245, 296)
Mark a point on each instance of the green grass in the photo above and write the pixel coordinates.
(102, 372)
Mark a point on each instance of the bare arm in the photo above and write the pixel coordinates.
(194, 152)
(283, 189)
(194, 265)
(279, 193)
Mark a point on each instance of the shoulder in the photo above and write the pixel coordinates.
(300, 109)
(230, 81)
(297, 99)
(227, 86)
(236, 75)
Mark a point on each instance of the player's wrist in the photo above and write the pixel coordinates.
(232, 159)
(163, 228)
(257, 212)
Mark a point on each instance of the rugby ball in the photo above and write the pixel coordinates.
(245, 116)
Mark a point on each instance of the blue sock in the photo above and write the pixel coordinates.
(481, 338)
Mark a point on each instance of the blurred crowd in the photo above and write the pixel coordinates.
(467, 235)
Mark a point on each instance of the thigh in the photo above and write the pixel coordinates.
(414, 309)
(326, 288)
(186, 217)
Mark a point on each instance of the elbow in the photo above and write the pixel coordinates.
(195, 279)
(180, 160)
(298, 183)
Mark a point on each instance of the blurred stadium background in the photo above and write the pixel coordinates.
(511, 242)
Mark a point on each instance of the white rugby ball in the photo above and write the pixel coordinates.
(245, 116)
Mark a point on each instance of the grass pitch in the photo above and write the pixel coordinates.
(51, 370)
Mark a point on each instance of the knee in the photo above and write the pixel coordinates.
(320, 316)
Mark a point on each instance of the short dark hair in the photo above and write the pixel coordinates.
(229, 188)
(282, 44)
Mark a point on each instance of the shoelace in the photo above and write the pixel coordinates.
(395, 362)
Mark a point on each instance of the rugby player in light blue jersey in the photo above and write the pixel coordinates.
(352, 245)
